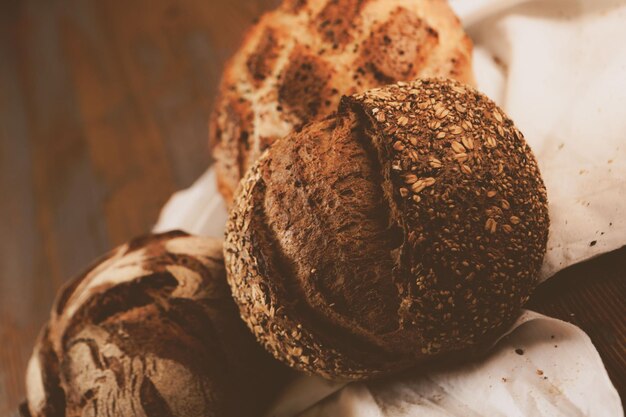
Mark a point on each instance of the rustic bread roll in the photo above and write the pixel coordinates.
(297, 61)
(150, 330)
(408, 226)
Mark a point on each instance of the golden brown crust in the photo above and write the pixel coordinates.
(261, 62)
(304, 84)
(151, 329)
(336, 22)
(408, 226)
(399, 48)
(297, 61)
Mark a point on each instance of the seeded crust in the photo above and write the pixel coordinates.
(297, 61)
(406, 229)
(150, 330)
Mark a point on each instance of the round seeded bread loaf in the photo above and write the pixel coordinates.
(297, 61)
(150, 330)
(408, 226)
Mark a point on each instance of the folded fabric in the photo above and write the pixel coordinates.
(545, 368)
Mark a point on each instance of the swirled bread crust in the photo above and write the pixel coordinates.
(150, 330)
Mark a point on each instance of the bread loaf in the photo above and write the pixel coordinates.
(150, 330)
(408, 227)
(297, 61)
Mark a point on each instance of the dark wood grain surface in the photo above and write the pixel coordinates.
(103, 114)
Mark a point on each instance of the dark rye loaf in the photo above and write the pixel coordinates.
(408, 226)
(150, 330)
(294, 65)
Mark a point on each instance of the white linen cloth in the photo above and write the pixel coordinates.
(544, 368)
(558, 68)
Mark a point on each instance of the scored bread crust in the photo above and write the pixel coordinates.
(406, 228)
(297, 61)
(151, 329)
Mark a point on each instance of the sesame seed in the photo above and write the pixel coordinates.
(435, 163)
(422, 105)
(418, 186)
(455, 130)
(457, 147)
(434, 124)
(429, 181)
(491, 193)
(410, 179)
(461, 157)
(468, 142)
(398, 146)
(491, 142)
(441, 112)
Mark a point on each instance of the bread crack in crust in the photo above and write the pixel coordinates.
(297, 61)
(406, 229)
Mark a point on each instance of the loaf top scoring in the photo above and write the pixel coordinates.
(297, 61)
(409, 225)
(150, 329)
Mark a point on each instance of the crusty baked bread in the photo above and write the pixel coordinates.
(150, 330)
(297, 61)
(408, 226)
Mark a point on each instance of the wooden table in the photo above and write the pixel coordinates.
(103, 114)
